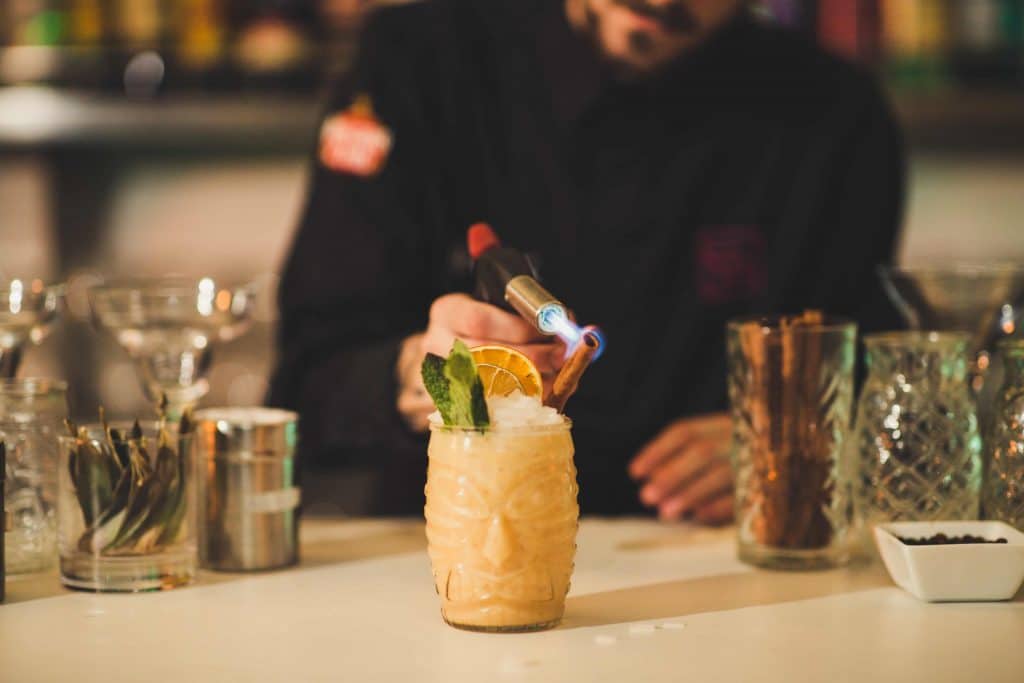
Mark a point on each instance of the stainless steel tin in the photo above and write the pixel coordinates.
(249, 501)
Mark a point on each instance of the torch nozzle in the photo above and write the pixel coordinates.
(536, 304)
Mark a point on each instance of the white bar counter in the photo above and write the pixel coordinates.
(649, 602)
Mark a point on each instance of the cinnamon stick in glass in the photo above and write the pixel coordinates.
(568, 378)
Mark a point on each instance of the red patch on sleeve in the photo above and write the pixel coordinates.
(354, 141)
(730, 263)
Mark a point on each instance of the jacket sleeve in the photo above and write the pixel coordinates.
(354, 283)
(868, 216)
(855, 226)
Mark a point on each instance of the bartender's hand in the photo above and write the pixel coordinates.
(476, 323)
(685, 470)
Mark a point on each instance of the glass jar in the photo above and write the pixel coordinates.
(501, 517)
(791, 389)
(31, 415)
(127, 509)
(916, 448)
(1003, 492)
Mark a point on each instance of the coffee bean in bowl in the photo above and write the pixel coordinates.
(953, 561)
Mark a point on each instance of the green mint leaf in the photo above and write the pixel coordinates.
(436, 383)
(466, 391)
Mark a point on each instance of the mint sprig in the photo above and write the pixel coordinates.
(454, 384)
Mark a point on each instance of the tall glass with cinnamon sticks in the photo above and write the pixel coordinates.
(791, 390)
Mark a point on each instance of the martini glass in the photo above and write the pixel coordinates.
(28, 310)
(987, 302)
(169, 327)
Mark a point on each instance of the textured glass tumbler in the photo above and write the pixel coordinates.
(791, 388)
(501, 517)
(32, 412)
(128, 528)
(916, 447)
(1003, 491)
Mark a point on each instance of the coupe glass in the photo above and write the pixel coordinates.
(169, 326)
(28, 309)
(983, 301)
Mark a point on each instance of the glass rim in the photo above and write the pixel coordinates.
(163, 286)
(954, 270)
(563, 426)
(246, 417)
(150, 429)
(45, 287)
(930, 337)
(770, 324)
(27, 387)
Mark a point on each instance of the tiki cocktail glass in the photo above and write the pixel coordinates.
(169, 326)
(501, 517)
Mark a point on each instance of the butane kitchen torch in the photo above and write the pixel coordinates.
(506, 278)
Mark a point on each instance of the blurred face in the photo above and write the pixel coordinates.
(638, 36)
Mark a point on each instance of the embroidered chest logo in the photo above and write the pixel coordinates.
(730, 262)
(354, 141)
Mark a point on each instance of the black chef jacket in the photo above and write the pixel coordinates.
(757, 174)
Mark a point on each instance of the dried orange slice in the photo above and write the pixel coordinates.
(504, 371)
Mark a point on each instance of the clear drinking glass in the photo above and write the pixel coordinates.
(28, 310)
(169, 326)
(916, 448)
(31, 415)
(130, 525)
(1003, 491)
(790, 387)
(501, 517)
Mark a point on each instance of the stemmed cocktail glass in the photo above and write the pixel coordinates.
(28, 310)
(169, 326)
(986, 301)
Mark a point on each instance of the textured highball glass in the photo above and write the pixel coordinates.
(916, 447)
(1003, 492)
(791, 390)
(32, 412)
(133, 529)
(501, 517)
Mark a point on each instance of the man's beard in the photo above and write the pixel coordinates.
(674, 17)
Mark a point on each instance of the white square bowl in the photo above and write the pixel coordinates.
(964, 572)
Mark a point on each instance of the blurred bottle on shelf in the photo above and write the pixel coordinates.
(85, 23)
(791, 13)
(916, 39)
(32, 31)
(988, 41)
(276, 44)
(200, 44)
(850, 28)
(138, 24)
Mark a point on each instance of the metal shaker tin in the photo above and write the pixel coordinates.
(249, 500)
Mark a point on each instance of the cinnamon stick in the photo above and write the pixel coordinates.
(790, 451)
(568, 378)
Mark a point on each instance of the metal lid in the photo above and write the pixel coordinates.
(267, 432)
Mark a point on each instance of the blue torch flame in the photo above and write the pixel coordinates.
(553, 319)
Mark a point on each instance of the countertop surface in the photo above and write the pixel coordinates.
(649, 602)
